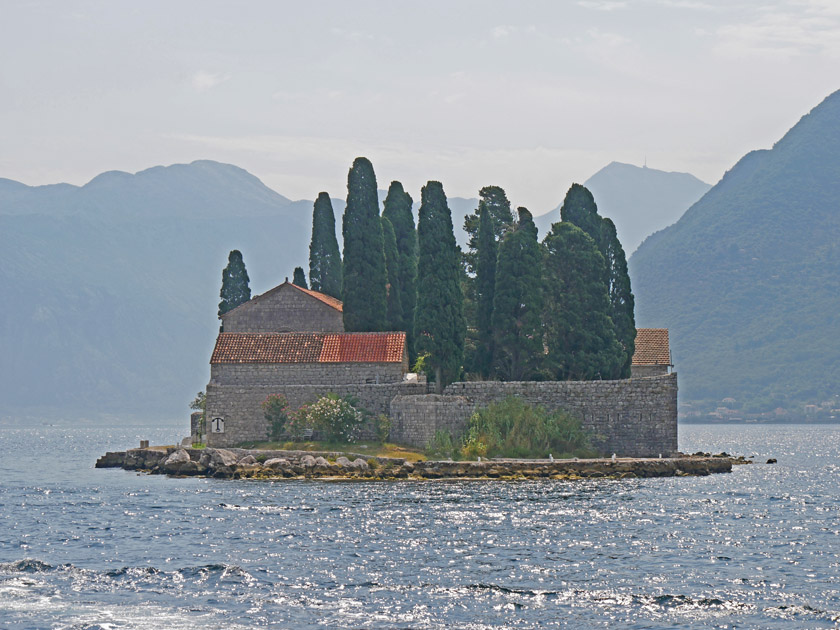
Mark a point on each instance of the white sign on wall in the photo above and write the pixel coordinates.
(217, 425)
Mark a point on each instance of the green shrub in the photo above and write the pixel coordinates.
(373, 463)
(276, 412)
(335, 419)
(383, 427)
(513, 428)
(442, 446)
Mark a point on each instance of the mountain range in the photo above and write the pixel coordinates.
(748, 279)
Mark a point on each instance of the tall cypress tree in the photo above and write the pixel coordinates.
(397, 209)
(485, 286)
(392, 266)
(324, 257)
(579, 333)
(299, 278)
(440, 318)
(622, 302)
(580, 209)
(235, 283)
(518, 302)
(365, 300)
(495, 201)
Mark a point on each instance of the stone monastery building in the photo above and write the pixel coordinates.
(291, 341)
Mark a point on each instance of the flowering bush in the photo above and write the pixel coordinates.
(276, 412)
(334, 418)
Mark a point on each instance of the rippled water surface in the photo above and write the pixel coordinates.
(85, 548)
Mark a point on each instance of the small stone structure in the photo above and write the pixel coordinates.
(653, 353)
(286, 308)
(631, 417)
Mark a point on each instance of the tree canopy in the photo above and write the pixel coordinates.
(324, 256)
(365, 278)
(235, 283)
(397, 209)
(392, 266)
(439, 319)
(299, 278)
(518, 302)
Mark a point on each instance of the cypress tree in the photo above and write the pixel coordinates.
(299, 278)
(485, 286)
(397, 209)
(517, 302)
(439, 318)
(392, 266)
(580, 209)
(495, 201)
(579, 333)
(622, 302)
(324, 257)
(365, 300)
(235, 289)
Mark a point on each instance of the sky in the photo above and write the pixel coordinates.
(531, 96)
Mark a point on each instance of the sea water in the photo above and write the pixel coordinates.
(86, 549)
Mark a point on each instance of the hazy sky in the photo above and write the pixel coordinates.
(527, 95)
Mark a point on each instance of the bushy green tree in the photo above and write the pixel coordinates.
(392, 266)
(580, 209)
(485, 289)
(622, 302)
(235, 283)
(299, 278)
(440, 319)
(365, 299)
(579, 333)
(397, 209)
(494, 200)
(518, 302)
(324, 256)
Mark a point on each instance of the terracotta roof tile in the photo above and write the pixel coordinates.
(652, 347)
(385, 347)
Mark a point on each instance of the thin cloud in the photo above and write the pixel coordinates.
(207, 80)
(602, 5)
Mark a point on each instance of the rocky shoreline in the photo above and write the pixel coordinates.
(235, 463)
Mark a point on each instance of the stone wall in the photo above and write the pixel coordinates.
(646, 371)
(284, 309)
(415, 419)
(318, 374)
(240, 405)
(632, 417)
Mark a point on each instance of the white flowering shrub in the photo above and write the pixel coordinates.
(334, 418)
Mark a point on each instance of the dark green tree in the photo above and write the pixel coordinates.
(324, 256)
(580, 209)
(495, 201)
(485, 287)
(365, 299)
(579, 333)
(397, 209)
(440, 318)
(392, 266)
(518, 302)
(235, 288)
(299, 278)
(622, 302)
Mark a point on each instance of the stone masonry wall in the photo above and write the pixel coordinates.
(632, 417)
(240, 405)
(645, 371)
(247, 374)
(296, 311)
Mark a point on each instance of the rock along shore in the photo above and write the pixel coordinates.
(237, 463)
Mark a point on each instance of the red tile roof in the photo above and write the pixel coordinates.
(652, 347)
(321, 297)
(380, 347)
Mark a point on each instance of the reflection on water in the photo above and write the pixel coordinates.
(85, 548)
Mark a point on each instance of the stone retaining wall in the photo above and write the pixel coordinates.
(632, 417)
(240, 406)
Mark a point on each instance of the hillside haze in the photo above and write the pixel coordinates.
(111, 289)
(747, 280)
(639, 200)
